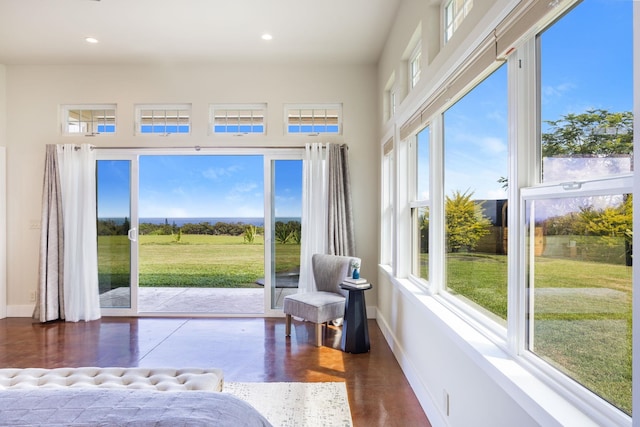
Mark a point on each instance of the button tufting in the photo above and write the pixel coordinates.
(158, 378)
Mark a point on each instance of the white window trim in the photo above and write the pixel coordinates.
(64, 114)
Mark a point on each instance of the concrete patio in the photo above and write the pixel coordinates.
(194, 300)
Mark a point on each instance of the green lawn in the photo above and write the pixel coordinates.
(193, 261)
(582, 322)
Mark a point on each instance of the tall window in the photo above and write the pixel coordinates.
(579, 230)
(388, 193)
(420, 205)
(454, 13)
(475, 173)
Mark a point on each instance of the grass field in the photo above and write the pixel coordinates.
(582, 322)
(194, 261)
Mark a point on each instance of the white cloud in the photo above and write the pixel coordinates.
(492, 144)
(244, 187)
(549, 92)
(217, 173)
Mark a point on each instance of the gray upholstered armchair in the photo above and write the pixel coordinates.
(325, 304)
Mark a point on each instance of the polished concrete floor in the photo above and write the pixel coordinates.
(246, 349)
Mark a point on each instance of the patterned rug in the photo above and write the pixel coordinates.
(297, 404)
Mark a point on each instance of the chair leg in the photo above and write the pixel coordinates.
(287, 326)
(319, 334)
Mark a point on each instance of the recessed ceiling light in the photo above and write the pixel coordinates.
(267, 36)
(91, 40)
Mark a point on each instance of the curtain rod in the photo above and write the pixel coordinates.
(199, 148)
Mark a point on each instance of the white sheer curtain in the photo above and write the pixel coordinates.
(78, 184)
(314, 213)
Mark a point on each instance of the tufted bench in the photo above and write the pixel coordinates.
(159, 379)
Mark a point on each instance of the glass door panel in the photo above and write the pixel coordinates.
(115, 234)
(286, 228)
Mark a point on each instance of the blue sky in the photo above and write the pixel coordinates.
(587, 63)
(199, 186)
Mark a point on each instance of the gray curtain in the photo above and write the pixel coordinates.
(50, 295)
(341, 240)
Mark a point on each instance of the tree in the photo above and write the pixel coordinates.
(593, 133)
(423, 223)
(465, 223)
(611, 224)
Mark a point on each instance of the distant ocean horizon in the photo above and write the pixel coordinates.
(257, 221)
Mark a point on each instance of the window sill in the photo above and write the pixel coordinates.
(529, 387)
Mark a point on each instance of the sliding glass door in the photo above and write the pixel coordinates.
(286, 230)
(117, 235)
(180, 233)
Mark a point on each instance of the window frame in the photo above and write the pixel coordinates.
(622, 184)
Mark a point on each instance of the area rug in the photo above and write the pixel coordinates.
(296, 404)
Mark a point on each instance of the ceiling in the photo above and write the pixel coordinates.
(193, 31)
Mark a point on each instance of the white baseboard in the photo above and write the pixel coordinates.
(429, 405)
(27, 311)
(372, 312)
(19, 310)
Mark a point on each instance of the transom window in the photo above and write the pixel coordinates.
(313, 119)
(415, 68)
(89, 119)
(163, 119)
(237, 119)
(454, 13)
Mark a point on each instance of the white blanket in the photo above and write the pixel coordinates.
(123, 407)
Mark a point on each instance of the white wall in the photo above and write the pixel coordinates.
(34, 94)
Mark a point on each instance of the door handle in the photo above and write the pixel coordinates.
(133, 235)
